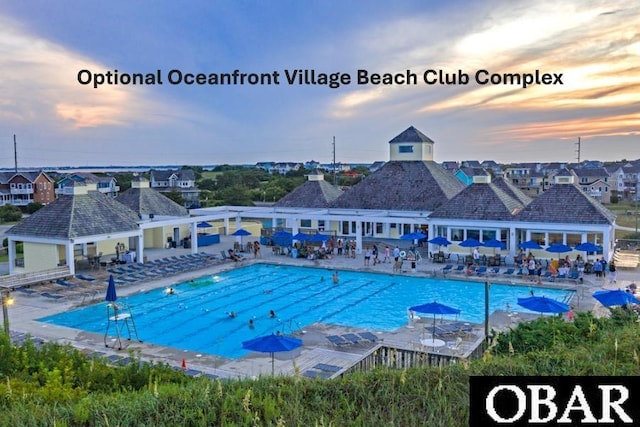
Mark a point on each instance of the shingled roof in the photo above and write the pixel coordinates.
(512, 190)
(311, 194)
(553, 206)
(147, 201)
(402, 185)
(411, 134)
(480, 201)
(77, 215)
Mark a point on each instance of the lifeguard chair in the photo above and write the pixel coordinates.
(119, 318)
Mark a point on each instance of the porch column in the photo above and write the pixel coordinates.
(359, 237)
(71, 262)
(12, 255)
(194, 237)
(140, 249)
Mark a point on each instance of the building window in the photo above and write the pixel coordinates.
(320, 225)
(405, 149)
(379, 228)
(305, 223)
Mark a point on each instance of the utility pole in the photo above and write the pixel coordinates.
(335, 176)
(578, 149)
(15, 153)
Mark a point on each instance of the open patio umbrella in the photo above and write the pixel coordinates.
(319, 238)
(204, 224)
(241, 232)
(610, 298)
(282, 235)
(588, 247)
(272, 344)
(301, 237)
(440, 241)
(434, 308)
(471, 243)
(416, 235)
(558, 248)
(543, 305)
(111, 290)
(530, 244)
(495, 244)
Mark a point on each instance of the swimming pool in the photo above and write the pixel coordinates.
(195, 317)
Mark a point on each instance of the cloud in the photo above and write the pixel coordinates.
(39, 78)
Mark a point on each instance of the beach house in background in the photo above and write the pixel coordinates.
(104, 184)
(24, 187)
(181, 180)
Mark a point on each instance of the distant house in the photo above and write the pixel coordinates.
(22, 188)
(491, 165)
(466, 175)
(594, 181)
(375, 166)
(182, 181)
(285, 167)
(104, 184)
(616, 179)
(450, 166)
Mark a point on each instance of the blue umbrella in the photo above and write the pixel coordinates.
(434, 308)
(470, 243)
(282, 235)
(609, 298)
(440, 241)
(493, 243)
(530, 244)
(204, 224)
(416, 235)
(301, 237)
(111, 290)
(588, 247)
(241, 232)
(272, 344)
(543, 305)
(319, 238)
(558, 248)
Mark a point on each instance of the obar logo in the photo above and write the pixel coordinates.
(524, 401)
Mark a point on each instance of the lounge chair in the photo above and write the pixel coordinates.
(458, 269)
(481, 271)
(447, 268)
(494, 271)
(86, 278)
(337, 340)
(312, 373)
(327, 368)
(52, 296)
(509, 272)
(352, 338)
(368, 336)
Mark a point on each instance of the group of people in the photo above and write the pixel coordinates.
(251, 322)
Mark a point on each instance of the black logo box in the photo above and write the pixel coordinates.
(508, 395)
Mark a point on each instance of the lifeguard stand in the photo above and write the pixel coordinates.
(119, 317)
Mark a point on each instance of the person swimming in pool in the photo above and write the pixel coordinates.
(251, 324)
(335, 277)
(232, 314)
(272, 314)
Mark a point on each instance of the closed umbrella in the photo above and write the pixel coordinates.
(111, 290)
(610, 298)
(543, 304)
(272, 344)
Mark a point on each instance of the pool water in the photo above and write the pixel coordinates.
(196, 316)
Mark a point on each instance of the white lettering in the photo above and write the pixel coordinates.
(491, 409)
(537, 401)
(578, 395)
(608, 404)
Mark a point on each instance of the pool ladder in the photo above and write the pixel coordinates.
(290, 324)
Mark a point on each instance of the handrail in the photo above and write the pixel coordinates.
(19, 280)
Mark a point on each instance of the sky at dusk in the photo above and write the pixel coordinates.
(594, 45)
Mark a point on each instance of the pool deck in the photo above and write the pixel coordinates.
(316, 349)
